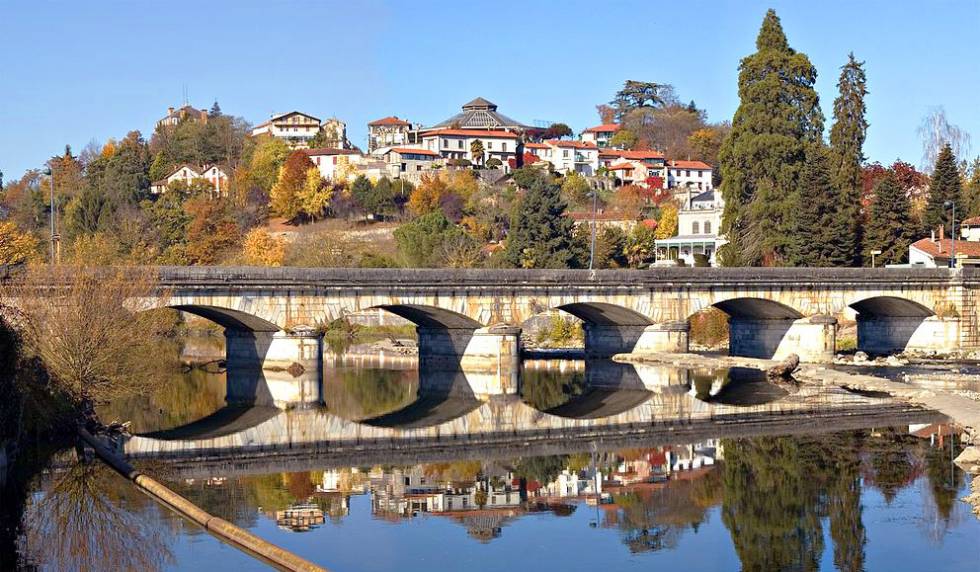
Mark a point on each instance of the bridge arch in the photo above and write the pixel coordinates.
(431, 316)
(889, 324)
(765, 328)
(605, 314)
(228, 318)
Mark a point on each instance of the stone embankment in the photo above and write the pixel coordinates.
(962, 407)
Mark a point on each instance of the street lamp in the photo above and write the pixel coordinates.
(873, 254)
(952, 232)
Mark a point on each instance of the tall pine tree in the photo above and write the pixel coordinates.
(778, 116)
(943, 186)
(823, 227)
(846, 142)
(889, 227)
(541, 236)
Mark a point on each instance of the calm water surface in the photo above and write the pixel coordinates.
(870, 498)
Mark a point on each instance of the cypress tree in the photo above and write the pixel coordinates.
(889, 227)
(541, 236)
(846, 142)
(823, 230)
(760, 159)
(944, 185)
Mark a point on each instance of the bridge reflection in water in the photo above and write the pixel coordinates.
(381, 409)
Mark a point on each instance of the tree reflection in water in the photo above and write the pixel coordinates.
(545, 389)
(89, 517)
(365, 393)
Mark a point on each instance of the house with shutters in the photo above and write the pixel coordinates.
(600, 135)
(294, 127)
(567, 156)
(694, 174)
(217, 175)
(390, 131)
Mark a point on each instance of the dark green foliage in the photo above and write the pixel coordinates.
(890, 228)
(971, 191)
(422, 241)
(525, 177)
(944, 186)
(824, 223)
(778, 116)
(847, 142)
(122, 178)
(89, 212)
(640, 95)
(169, 219)
(361, 190)
(540, 233)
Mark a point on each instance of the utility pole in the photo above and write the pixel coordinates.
(54, 232)
(595, 199)
(952, 233)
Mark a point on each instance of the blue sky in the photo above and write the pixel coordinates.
(71, 72)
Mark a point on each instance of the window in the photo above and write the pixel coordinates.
(445, 143)
(695, 228)
(489, 145)
(687, 173)
(707, 227)
(403, 167)
(700, 173)
(503, 146)
(317, 160)
(459, 143)
(564, 154)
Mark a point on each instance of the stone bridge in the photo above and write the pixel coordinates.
(465, 312)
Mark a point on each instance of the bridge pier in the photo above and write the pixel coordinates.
(489, 357)
(606, 340)
(814, 339)
(892, 334)
(261, 368)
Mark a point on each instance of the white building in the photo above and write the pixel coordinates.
(567, 156)
(388, 132)
(654, 165)
(329, 160)
(456, 143)
(296, 128)
(217, 175)
(694, 174)
(600, 134)
(935, 252)
(698, 227)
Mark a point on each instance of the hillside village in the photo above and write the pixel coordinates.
(492, 146)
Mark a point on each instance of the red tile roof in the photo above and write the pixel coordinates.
(390, 120)
(942, 248)
(622, 167)
(604, 128)
(329, 151)
(416, 151)
(574, 144)
(690, 165)
(471, 133)
(631, 154)
(535, 146)
(972, 221)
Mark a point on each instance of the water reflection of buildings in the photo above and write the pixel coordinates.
(300, 517)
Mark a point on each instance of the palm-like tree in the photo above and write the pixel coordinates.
(476, 151)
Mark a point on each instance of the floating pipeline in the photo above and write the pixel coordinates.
(224, 530)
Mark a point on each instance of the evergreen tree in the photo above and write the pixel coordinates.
(971, 194)
(943, 186)
(541, 236)
(846, 142)
(215, 110)
(889, 227)
(778, 116)
(823, 222)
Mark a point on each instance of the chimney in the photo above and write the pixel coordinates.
(942, 233)
(933, 238)
(170, 111)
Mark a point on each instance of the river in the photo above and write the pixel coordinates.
(593, 466)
